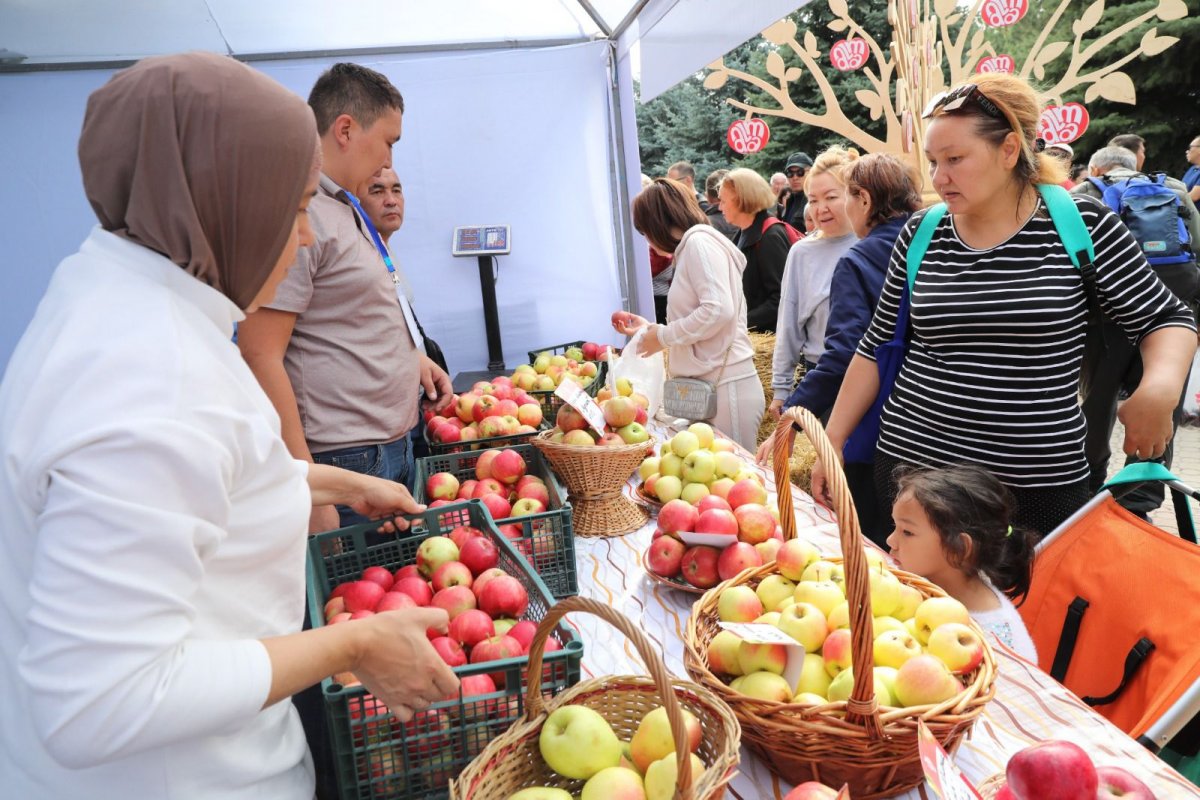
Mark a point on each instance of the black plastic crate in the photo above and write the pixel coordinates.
(547, 539)
(474, 445)
(376, 756)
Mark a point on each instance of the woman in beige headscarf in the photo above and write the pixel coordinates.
(152, 523)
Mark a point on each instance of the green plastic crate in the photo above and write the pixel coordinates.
(547, 539)
(376, 756)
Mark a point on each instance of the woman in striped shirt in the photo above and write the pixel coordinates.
(998, 319)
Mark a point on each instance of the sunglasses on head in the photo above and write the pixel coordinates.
(795, 172)
(955, 99)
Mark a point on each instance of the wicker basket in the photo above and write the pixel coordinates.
(594, 476)
(513, 761)
(872, 749)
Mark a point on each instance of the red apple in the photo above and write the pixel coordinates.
(452, 573)
(746, 491)
(508, 467)
(712, 501)
(755, 523)
(504, 596)
(340, 589)
(1053, 770)
(737, 557)
(450, 651)
(415, 587)
(811, 790)
(699, 566)
(481, 580)
(484, 407)
(363, 614)
(487, 486)
(497, 506)
(495, 649)
(462, 534)
(483, 464)
(569, 419)
(717, 521)
(471, 627)
(454, 600)
(392, 601)
(534, 491)
(665, 556)
(507, 407)
(442, 485)
(362, 596)
(479, 554)
(523, 632)
(409, 571)
(1118, 783)
(678, 516)
(467, 489)
(379, 575)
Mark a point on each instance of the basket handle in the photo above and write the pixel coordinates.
(861, 708)
(658, 671)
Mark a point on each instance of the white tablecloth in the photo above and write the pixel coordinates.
(1029, 705)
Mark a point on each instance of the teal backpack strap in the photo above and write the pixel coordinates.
(920, 241)
(1067, 220)
(1076, 239)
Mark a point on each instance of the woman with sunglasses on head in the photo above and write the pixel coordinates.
(998, 314)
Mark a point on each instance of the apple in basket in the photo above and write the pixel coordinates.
(1053, 770)
(653, 741)
(541, 793)
(614, 783)
(811, 790)
(925, 680)
(577, 742)
(959, 647)
(662, 775)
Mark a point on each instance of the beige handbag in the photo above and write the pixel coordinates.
(695, 399)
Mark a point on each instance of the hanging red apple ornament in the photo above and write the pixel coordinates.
(748, 135)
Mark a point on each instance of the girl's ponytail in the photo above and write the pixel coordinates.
(1011, 563)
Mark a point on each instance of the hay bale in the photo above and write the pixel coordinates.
(803, 454)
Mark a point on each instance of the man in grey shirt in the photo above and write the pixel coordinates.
(333, 350)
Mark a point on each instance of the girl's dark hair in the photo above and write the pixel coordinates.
(887, 181)
(662, 207)
(966, 498)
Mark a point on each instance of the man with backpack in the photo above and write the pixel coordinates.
(1164, 221)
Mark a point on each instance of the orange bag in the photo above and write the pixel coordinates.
(1141, 587)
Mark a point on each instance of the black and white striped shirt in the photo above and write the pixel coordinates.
(992, 370)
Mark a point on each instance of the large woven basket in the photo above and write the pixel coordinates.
(872, 749)
(595, 476)
(513, 760)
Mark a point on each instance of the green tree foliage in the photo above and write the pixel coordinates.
(689, 121)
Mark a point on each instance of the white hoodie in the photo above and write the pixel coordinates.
(706, 310)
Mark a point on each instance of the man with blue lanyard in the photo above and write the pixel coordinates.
(338, 351)
(1191, 178)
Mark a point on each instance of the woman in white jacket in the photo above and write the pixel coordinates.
(705, 332)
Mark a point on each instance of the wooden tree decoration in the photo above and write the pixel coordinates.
(926, 54)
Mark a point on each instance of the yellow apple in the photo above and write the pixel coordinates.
(577, 742)
(813, 677)
(938, 611)
(653, 738)
(773, 588)
(910, 598)
(825, 595)
(662, 774)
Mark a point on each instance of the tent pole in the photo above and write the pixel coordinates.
(627, 265)
(596, 18)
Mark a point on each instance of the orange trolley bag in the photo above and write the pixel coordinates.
(1114, 610)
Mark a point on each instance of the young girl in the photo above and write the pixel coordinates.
(953, 528)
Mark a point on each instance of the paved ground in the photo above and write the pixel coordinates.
(1186, 465)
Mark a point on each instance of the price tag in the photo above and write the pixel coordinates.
(947, 780)
(763, 633)
(573, 395)
(710, 539)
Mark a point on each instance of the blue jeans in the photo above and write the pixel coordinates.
(393, 461)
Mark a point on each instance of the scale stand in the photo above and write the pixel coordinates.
(486, 242)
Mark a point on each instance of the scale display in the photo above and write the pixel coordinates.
(482, 240)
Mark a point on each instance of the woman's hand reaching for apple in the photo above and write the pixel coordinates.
(397, 664)
(626, 323)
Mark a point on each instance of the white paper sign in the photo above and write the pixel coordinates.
(711, 539)
(573, 395)
(765, 633)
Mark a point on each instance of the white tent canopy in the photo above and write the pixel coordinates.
(517, 111)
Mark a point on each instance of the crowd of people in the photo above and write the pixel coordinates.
(174, 474)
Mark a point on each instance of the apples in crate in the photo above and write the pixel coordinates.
(548, 371)
(490, 409)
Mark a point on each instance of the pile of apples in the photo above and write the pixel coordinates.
(625, 416)
(578, 743)
(922, 646)
(459, 574)
(500, 483)
(1061, 770)
(693, 464)
(491, 408)
(742, 512)
(548, 371)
